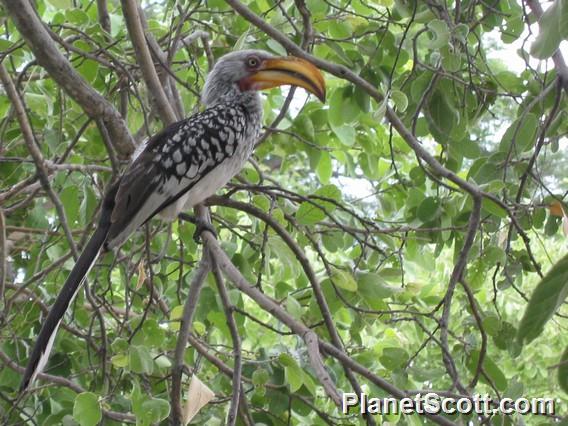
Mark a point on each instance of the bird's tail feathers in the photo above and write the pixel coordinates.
(44, 343)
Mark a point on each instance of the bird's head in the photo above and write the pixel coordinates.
(251, 70)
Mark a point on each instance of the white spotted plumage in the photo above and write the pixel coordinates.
(216, 142)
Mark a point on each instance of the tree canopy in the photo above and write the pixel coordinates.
(407, 236)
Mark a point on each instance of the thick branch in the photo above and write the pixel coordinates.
(144, 58)
(104, 17)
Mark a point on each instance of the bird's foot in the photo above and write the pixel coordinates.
(200, 227)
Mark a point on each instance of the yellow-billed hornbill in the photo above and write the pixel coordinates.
(182, 165)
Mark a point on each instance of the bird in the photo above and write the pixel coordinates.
(181, 166)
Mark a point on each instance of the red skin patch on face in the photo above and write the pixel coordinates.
(245, 84)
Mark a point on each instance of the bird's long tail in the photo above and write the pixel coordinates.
(44, 342)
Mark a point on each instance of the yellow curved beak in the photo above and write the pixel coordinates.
(289, 70)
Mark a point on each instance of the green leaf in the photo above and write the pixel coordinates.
(521, 135)
(140, 360)
(260, 377)
(323, 169)
(428, 209)
(88, 203)
(494, 255)
(276, 47)
(294, 307)
(241, 41)
(70, 199)
(451, 60)
(61, 4)
(294, 374)
(373, 286)
(342, 108)
(155, 410)
(461, 31)
(345, 133)
(344, 279)
(309, 214)
(548, 296)
(515, 390)
(317, 6)
(148, 410)
(163, 361)
(400, 100)
(394, 358)
(330, 192)
(76, 16)
(363, 99)
(87, 410)
(439, 32)
(199, 328)
(491, 369)
(39, 104)
(442, 114)
(553, 28)
(379, 113)
(305, 126)
(373, 289)
(120, 360)
(493, 208)
(88, 69)
(491, 325)
(514, 21)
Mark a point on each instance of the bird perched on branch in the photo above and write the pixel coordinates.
(182, 165)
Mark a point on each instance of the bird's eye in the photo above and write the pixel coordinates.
(252, 62)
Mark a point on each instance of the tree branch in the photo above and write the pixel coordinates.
(272, 307)
(144, 58)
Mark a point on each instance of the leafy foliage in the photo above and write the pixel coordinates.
(379, 224)
(546, 299)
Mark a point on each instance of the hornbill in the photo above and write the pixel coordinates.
(182, 165)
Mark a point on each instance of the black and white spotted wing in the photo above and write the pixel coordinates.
(175, 160)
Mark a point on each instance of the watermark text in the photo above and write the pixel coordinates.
(432, 403)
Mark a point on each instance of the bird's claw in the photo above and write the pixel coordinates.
(200, 227)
